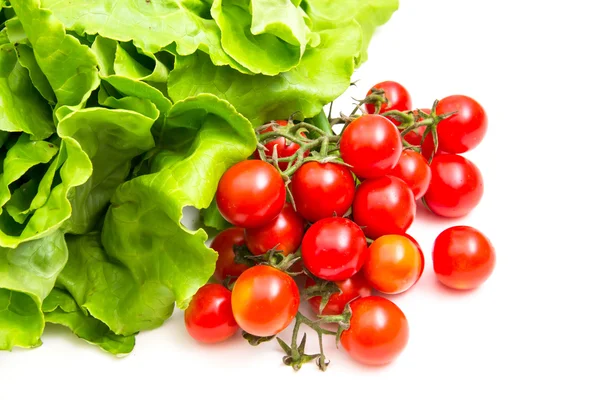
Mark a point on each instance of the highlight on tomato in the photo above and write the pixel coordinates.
(463, 257)
(209, 317)
(456, 186)
(371, 145)
(334, 249)
(394, 264)
(384, 206)
(264, 300)
(250, 194)
(378, 331)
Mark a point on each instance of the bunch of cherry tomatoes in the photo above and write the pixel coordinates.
(330, 200)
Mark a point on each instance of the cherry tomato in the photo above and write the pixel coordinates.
(353, 287)
(378, 331)
(463, 258)
(414, 170)
(250, 194)
(284, 148)
(394, 264)
(371, 145)
(416, 136)
(397, 96)
(209, 318)
(384, 206)
(463, 131)
(456, 186)
(284, 232)
(265, 300)
(334, 249)
(223, 244)
(322, 190)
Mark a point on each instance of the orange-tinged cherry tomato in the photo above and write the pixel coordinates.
(283, 233)
(264, 300)
(394, 264)
(223, 244)
(378, 331)
(351, 288)
(209, 318)
(463, 257)
(250, 194)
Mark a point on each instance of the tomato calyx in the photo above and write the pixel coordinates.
(322, 288)
(256, 340)
(273, 257)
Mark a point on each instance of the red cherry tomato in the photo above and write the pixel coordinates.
(334, 249)
(463, 258)
(223, 244)
(416, 136)
(384, 206)
(397, 96)
(322, 190)
(456, 186)
(394, 264)
(378, 331)
(209, 318)
(463, 131)
(250, 194)
(284, 148)
(265, 300)
(371, 145)
(353, 287)
(284, 232)
(414, 170)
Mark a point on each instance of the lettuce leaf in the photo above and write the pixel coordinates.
(265, 36)
(150, 25)
(60, 308)
(305, 89)
(27, 275)
(326, 14)
(202, 137)
(71, 68)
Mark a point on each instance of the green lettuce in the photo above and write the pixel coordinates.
(27, 275)
(305, 89)
(61, 309)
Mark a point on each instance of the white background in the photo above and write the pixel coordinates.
(530, 332)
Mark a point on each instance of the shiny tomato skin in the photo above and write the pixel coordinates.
(394, 264)
(371, 145)
(463, 257)
(397, 96)
(284, 148)
(378, 331)
(463, 131)
(414, 170)
(334, 249)
(284, 232)
(250, 194)
(456, 186)
(264, 300)
(352, 288)
(384, 206)
(322, 190)
(223, 244)
(209, 318)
